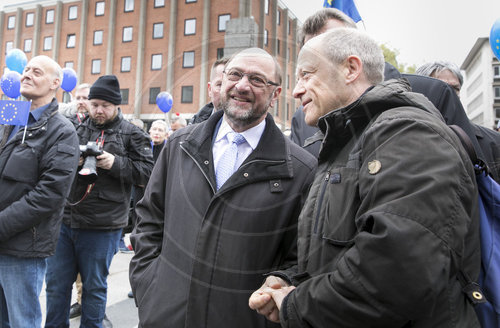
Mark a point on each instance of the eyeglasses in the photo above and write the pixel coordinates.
(256, 80)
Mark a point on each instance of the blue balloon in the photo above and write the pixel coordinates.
(164, 101)
(495, 38)
(69, 79)
(11, 84)
(16, 60)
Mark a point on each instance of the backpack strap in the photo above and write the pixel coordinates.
(479, 165)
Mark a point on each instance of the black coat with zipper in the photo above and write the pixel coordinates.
(200, 253)
(35, 178)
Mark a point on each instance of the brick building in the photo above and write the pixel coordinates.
(153, 45)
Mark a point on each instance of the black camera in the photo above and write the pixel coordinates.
(88, 173)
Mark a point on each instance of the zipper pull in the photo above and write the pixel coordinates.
(327, 176)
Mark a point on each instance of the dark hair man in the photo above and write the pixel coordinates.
(392, 217)
(213, 92)
(92, 224)
(223, 209)
(37, 167)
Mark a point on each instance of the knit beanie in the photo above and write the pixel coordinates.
(106, 88)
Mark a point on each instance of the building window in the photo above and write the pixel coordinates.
(497, 92)
(496, 71)
(129, 6)
(266, 7)
(187, 94)
(98, 37)
(265, 38)
(157, 30)
(30, 19)
(220, 53)
(11, 22)
(159, 3)
(96, 66)
(47, 43)
(73, 13)
(153, 93)
(188, 59)
(278, 46)
(156, 62)
(223, 19)
(189, 1)
(49, 16)
(289, 27)
(124, 93)
(190, 26)
(125, 66)
(69, 64)
(278, 17)
(8, 46)
(27, 45)
(127, 34)
(71, 41)
(99, 8)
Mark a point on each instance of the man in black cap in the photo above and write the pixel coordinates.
(97, 209)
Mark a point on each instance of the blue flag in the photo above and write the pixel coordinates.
(14, 112)
(346, 6)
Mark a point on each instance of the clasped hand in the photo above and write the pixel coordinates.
(268, 298)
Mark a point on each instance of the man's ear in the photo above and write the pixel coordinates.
(275, 96)
(354, 68)
(56, 83)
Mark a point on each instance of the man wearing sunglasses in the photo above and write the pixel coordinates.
(224, 208)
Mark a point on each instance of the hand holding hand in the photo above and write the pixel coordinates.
(262, 300)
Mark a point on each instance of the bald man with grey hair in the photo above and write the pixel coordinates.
(38, 163)
(379, 186)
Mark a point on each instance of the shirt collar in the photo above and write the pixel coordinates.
(36, 113)
(252, 135)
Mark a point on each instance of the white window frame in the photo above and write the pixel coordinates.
(71, 41)
(11, 22)
(49, 16)
(30, 19)
(96, 33)
(100, 8)
(155, 65)
(126, 64)
(47, 43)
(72, 12)
(28, 45)
(158, 28)
(188, 59)
(96, 66)
(127, 34)
(190, 26)
(223, 19)
(128, 6)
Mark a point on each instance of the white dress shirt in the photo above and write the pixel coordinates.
(226, 135)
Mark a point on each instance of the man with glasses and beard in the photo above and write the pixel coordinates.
(224, 207)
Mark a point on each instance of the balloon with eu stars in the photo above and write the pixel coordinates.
(11, 84)
(16, 60)
(164, 101)
(495, 38)
(69, 79)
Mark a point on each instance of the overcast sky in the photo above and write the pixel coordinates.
(421, 30)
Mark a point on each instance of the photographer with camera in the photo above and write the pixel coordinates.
(98, 205)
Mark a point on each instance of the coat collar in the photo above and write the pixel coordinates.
(271, 159)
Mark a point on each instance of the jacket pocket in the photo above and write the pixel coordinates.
(340, 205)
(112, 195)
(22, 165)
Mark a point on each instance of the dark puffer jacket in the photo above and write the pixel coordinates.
(35, 178)
(107, 205)
(390, 220)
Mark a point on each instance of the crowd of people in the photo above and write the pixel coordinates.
(363, 217)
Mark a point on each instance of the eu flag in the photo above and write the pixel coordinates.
(14, 112)
(346, 6)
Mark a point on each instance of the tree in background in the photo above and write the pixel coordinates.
(390, 56)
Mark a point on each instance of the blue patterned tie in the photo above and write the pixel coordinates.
(227, 162)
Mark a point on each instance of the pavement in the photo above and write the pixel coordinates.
(120, 309)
